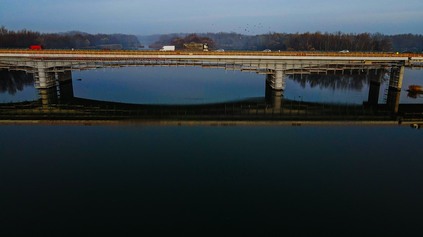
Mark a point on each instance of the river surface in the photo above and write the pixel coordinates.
(193, 85)
(133, 180)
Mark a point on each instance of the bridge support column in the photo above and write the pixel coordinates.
(397, 76)
(394, 90)
(42, 78)
(58, 93)
(65, 87)
(393, 100)
(374, 88)
(48, 97)
(273, 97)
(276, 80)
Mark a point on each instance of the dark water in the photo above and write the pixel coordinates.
(210, 181)
(310, 181)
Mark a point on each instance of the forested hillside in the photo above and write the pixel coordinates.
(316, 41)
(76, 40)
(307, 41)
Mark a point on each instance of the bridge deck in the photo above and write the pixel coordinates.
(118, 54)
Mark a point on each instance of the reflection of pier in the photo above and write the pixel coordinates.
(58, 102)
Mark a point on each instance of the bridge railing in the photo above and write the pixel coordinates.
(226, 53)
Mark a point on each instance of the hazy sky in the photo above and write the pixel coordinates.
(242, 16)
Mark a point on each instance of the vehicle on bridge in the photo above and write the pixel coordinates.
(35, 47)
(168, 48)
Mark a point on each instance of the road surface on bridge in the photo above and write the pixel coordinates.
(133, 54)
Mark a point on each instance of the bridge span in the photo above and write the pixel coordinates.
(46, 64)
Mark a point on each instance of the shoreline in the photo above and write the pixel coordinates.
(212, 123)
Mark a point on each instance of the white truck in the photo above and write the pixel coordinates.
(168, 48)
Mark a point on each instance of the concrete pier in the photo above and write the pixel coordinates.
(393, 99)
(48, 97)
(397, 76)
(65, 87)
(276, 80)
(60, 91)
(374, 87)
(273, 97)
(43, 79)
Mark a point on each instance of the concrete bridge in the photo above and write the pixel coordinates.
(48, 65)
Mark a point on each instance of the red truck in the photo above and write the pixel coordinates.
(35, 47)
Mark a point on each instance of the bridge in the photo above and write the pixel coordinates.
(50, 67)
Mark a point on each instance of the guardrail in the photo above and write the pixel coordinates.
(227, 53)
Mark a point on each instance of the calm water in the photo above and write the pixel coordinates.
(192, 85)
(212, 181)
(313, 181)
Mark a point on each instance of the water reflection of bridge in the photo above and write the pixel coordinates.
(59, 103)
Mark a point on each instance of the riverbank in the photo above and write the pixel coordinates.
(205, 123)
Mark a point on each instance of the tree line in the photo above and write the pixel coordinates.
(316, 41)
(338, 41)
(77, 40)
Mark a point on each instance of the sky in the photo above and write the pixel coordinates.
(142, 17)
